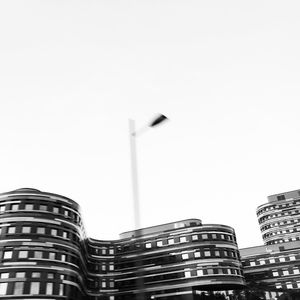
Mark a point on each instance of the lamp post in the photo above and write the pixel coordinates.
(133, 133)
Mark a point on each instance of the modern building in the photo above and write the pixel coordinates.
(45, 254)
(275, 266)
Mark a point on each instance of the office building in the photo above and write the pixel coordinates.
(46, 254)
(275, 266)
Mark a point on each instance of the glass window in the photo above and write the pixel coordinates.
(214, 236)
(187, 274)
(34, 288)
(67, 213)
(197, 254)
(40, 230)
(289, 285)
(194, 237)
(103, 284)
(61, 290)
(54, 232)
(43, 207)
(285, 272)
(103, 250)
(63, 257)
(28, 206)
(4, 275)
(52, 255)
(185, 256)
(23, 254)
(199, 272)
(207, 253)
(2, 208)
(296, 271)
(14, 206)
(111, 267)
(36, 275)
(11, 230)
(103, 267)
(20, 275)
(49, 288)
(272, 260)
(3, 288)
(38, 254)
(7, 254)
(171, 241)
(65, 235)
(56, 210)
(183, 239)
(217, 253)
(111, 284)
(204, 236)
(275, 273)
(18, 288)
(111, 251)
(148, 245)
(292, 258)
(281, 259)
(262, 262)
(50, 275)
(252, 263)
(159, 244)
(26, 229)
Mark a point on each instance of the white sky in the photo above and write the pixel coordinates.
(225, 72)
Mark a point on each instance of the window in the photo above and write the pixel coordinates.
(207, 253)
(38, 254)
(111, 251)
(111, 266)
(148, 245)
(43, 207)
(36, 275)
(111, 284)
(197, 254)
(281, 259)
(66, 213)
(272, 260)
(14, 206)
(54, 232)
(262, 262)
(185, 256)
(65, 235)
(183, 239)
(199, 272)
(18, 288)
(275, 273)
(26, 229)
(4, 275)
(20, 275)
(7, 254)
(2, 208)
(292, 258)
(217, 253)
(56, 210)
(296, 271)
(159, 244)
(40, 230)
(187, 274)
(51, 255)
(281, 197)
(103, 251)
(11, 230)
(252, 263)
(3, 288)
(171, 242)
(204, 236)
(214, 236)
(34, 288)
(63, 257)
(285, 272)
(194, 237)
(49, 288)
(23, 254)
(50, 276)
(103, 267)
(61, 290)
(289, 285)
(28, 206)
(103, 284)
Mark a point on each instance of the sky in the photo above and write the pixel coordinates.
(225, 73)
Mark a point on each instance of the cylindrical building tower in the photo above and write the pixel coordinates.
(279, 219)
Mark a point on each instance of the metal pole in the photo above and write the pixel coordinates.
(136, 204)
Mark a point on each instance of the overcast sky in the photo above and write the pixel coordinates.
(226, 73)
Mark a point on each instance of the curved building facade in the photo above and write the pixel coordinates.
(45, 254)
(279, 219)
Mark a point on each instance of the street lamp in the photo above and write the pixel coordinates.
(133, 133)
